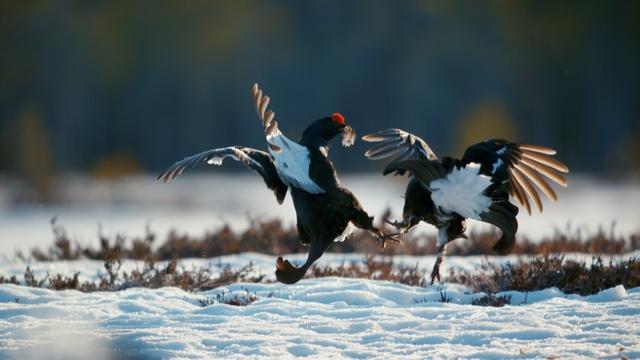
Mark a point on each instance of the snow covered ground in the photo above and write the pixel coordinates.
(316, 318)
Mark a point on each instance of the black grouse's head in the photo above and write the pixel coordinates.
(321, 131)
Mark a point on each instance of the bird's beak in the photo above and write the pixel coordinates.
(348, 136)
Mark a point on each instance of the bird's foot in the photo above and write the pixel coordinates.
(384, 238)
(399, 225)
(287, 273)
(284, 265)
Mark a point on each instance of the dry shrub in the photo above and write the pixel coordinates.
(175, 275)
(30, 279)
(528, 274)
(372, 268)
(62, 248)
(442, 297)
(543, 272)
(492, 300)
(601, 242)
(274, 237)
(9, 280)
(150, 276)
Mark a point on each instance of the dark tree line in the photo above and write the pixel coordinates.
(119, 86)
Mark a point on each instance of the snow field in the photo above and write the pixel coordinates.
(318, 318)
(322, 318)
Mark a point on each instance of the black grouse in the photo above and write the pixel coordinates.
(325, 210)
(445, 192)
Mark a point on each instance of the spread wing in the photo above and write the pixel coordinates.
(256, 160)
(399, 145)
(521, 166)
(290, 158)
(463, 189)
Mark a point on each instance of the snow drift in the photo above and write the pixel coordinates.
(317, 318)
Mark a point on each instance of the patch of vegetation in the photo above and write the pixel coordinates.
(527, 274)
(541, 272)
(492, 300)
(546, 269)
(9, 280)
(274, 237)
(150, 276)
(374, 268)
(443, 298)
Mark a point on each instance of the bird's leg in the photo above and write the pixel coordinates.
(288, 274)
(365, 222)
(435, 273)
(443, 239)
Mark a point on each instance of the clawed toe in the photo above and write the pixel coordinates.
(284, 265)
(401, 226)
(383, 238)
(396, 224)
(286, 273)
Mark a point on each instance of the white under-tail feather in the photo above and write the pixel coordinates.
(462, 192)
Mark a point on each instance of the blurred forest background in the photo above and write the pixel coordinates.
(113, 88)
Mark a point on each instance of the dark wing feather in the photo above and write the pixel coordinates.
(424, 170)
(256, 160)
(399, 145)
(503, 215)
(520, 166)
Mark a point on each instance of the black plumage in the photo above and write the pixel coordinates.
(324, 209)
(445, 192)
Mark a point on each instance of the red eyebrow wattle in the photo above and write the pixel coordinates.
(337, 118)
